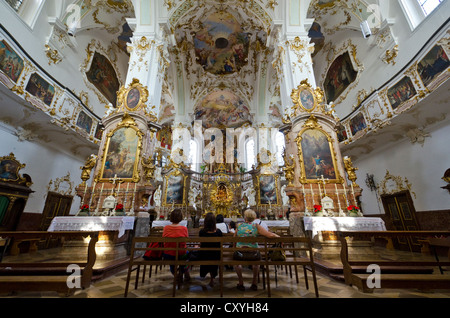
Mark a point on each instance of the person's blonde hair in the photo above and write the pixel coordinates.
(249, 215)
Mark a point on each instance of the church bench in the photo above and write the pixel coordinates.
(389, 277)
(294, 248)
(48, 272)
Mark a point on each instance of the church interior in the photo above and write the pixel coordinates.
(323, 116)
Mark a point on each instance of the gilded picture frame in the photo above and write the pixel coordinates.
(134, 97)
(316, 154)
(305, 98)
(268, 190)
(122, 151)
(9, 169)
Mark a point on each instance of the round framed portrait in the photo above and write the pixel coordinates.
(133, 98)
(307, 99)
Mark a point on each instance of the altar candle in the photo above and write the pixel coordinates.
(92, 195)
(353, 193)
(345, 194)
(304, 197)
(337, 196)
(320, 191)
(312, 193)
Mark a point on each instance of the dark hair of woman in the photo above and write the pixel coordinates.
(209, 224)
(219, 218)
(176, 216)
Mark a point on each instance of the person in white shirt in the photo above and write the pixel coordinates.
(221, 225)
(260, 222)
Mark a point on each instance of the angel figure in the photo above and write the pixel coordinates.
(149, 168)
(86, 173)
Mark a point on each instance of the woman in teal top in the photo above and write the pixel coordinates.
(249, 229)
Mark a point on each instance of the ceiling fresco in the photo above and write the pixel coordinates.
(221, 46)
(222, 109)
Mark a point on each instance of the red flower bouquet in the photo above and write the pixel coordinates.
(119, 207)
(317, 208)
(353, 208)
(85, 208)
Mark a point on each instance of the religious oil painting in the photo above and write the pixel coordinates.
(222, 109)
(268, 190)
(318, 159)
(433, 64)
(317, 37)
(84, 122)
(99, 131)
(40, 88)
(174, 189)
(307, 99)
(133, 98)
(357, 123)
(339, 76)
(103, 76)
(341, 133)
(121, 153)
(401, 92)
(9, 170)
(221, 46)
(10, 63)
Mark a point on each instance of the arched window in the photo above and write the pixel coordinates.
(250, 156)
(193, 154)
(280, 144)
(417, 10)
(27, 10)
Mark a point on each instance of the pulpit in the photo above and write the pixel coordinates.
(14, 192)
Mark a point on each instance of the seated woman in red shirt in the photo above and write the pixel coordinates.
(176, 230)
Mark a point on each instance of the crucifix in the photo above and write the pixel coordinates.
(114, 181)
(324, 183)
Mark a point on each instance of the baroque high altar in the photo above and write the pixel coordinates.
(176, 79)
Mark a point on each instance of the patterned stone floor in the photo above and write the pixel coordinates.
(160, 286)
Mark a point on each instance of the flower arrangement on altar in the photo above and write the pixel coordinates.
(119, 207)
(353, 210)
(280, 216)
(161, 217)
(317, 210)
(84, 208)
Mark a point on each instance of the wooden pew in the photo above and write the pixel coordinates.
(47, 275)
(294, 247)
(393, 280)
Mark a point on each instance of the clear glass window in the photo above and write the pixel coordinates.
(429, 5)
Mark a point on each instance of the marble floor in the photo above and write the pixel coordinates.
(160, 286)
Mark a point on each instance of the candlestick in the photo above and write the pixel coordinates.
(304, 197)
(320, 191)
(345, 194)
(353, 193)
(312, 193)
(337, 196)
(92, 194)
(99, 196)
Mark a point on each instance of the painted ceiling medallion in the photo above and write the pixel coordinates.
(222, 109)
(221, 47)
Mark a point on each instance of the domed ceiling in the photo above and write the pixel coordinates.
(221, 47)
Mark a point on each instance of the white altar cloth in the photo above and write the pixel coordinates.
(92, 223)
(317, 224)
